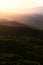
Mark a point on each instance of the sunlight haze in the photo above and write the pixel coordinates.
(18, 6)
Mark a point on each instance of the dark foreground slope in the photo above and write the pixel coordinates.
(21, 45)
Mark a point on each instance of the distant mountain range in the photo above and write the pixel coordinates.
(33, 17)
(35, 20)
(10, 23)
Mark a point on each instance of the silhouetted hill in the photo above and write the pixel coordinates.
(20, 31)
(14, 28)
(10, 23)
(20, 44)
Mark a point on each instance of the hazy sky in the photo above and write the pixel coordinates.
(18, 5)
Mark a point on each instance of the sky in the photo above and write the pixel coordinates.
(16, 6)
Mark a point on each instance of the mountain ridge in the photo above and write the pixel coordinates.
(11, 23)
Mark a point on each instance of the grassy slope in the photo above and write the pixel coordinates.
(23, 41)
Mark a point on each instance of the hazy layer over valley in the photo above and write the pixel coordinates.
(32, 17)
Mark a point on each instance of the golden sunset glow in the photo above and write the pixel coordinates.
(18, 5)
